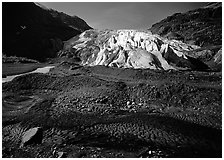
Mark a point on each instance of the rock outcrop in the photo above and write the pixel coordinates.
(131, 49)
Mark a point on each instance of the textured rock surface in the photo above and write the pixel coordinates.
(130, 49)
(113, 112)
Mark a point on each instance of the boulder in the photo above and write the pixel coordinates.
(218, 57)
(32, 136)
(61, 155)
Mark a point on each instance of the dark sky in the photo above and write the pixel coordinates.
(122, 15)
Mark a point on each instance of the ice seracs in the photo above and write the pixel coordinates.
(131, 49)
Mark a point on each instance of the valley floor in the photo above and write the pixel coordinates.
(111, 112)
(9, 69)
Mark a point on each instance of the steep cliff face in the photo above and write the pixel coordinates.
(131, 49)
(202, 26)
(30, 30)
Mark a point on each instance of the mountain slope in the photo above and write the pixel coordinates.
(131, 49)
(31, 31)
(72, 21)
(202, 26)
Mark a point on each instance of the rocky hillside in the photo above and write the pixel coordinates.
(32, 31)
(202, 26)
(131, 49)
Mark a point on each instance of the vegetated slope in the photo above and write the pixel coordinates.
(131, 49)
(31, 31)
(202, 26)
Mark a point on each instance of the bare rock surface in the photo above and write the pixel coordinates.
(33, 135)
